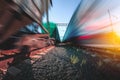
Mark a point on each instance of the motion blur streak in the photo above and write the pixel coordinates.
(94, 22)
(15, 14)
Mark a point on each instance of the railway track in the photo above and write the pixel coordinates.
(12, 57)
(113, 53)
(62, 60)
(108, 56)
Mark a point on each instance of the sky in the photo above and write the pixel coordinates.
(61, 12)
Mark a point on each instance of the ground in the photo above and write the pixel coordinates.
(66, 63)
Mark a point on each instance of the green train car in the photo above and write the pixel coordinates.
(53, 30)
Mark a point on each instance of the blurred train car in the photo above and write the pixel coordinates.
(15, 14)
(97, 40)
(53, 30)
(93, 23)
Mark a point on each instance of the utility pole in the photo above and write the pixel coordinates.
(111, 24)
(113, 36)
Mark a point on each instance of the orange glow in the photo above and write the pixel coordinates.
(116, 38)
(116, 34)
(117, 30)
